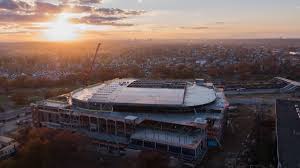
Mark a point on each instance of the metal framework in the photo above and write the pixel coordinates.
(170, 84)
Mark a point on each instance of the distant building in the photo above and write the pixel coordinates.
(8, 147)
(181, 118)
(201, 62)
(294, 52)
(288, 133)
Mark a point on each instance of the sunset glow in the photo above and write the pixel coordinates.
(59, 20)
(61, 29)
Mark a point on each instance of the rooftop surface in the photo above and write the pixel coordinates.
(55, 104)
(178, 118)
(187, 119)
(132, 91)
(288, 132)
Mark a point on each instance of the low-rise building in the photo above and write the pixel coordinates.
(8, 147)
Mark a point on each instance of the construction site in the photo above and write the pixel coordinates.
(180, 118)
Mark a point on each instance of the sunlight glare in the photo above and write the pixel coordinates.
(61, 29)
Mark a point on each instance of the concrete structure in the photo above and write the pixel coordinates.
(180, 118)
(8, 147)
(13, 114)
(288, 133)
(291, 85)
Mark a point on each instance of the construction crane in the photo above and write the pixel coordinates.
(89, 72)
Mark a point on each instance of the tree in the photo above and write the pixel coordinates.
(4, 83)
(19, 98)
(150, 159)
(1, 109)
(52, 149)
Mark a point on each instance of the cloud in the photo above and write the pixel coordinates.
(95, 19)
(90, 1)
(8, 16)
(117, 11)
(44, 7)
(132, 12)
(21, 11)
(13, 5)
(195, 27)
(8, 4)
(78, 9)
(101, 20)
(7, 29)
(220, 23)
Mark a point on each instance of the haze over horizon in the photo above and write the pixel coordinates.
(70, 20)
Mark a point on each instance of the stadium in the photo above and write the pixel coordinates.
(179, 117)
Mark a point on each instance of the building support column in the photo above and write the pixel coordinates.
(80, 125)
(125, 128)
(116, 127)
(181, 151)
(98, 126)
(106, 126)
(90, 124)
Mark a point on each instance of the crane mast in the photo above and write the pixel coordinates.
(88, 75)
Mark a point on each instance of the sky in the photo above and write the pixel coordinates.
(66, 20)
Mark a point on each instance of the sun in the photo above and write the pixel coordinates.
(61, 29)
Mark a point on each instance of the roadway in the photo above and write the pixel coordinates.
(252, 91)
(250, 101)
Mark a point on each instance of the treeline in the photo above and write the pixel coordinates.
(262, 70)
(241, 71)
(103, 74)
(29, 82)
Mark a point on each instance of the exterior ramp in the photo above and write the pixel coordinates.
(291, 85)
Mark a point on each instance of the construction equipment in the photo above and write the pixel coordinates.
(89, 72)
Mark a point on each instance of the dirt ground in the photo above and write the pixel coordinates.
(240, 140)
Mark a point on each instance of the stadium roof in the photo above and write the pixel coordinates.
(56, 104)
(288, 132)
(147, 92)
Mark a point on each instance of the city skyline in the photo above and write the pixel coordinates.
(69, 20)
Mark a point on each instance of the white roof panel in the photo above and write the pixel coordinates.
(116, 91)
(150, 96)
(197, 95)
